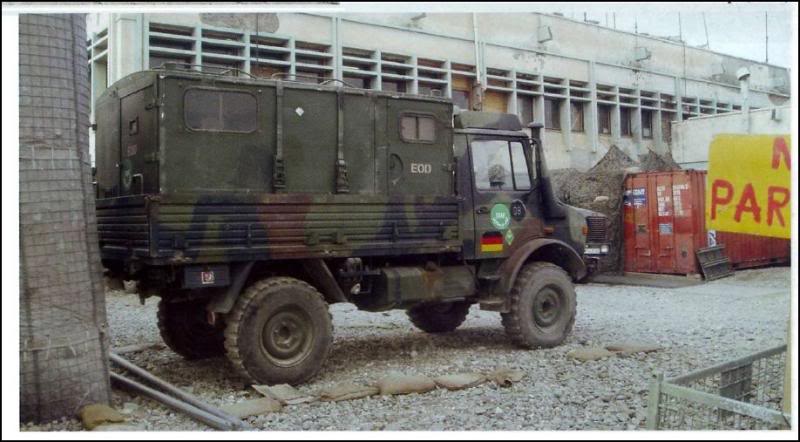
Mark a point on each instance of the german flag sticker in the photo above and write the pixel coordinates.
(491, 242)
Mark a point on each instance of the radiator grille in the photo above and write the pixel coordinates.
(597, 229)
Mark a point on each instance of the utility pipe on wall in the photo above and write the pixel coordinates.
(743, 74)
(478, 70)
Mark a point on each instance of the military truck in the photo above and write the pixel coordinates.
(248, 205)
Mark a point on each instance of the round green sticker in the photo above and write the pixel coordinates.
(500, 216)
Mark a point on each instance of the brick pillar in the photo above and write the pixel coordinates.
(63, 339)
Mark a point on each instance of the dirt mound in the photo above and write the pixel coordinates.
(601, 189)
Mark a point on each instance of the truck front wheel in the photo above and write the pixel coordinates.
(279, 331)
(185, 329)
(438, 318)
(543, 306)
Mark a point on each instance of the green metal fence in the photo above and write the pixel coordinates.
(744, 394)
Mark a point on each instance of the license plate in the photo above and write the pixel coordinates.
(592, 251)
(207, 277)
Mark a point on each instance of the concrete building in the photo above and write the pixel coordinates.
(692, 137)
(590, 86)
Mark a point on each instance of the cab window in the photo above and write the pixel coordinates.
(522, 178)
(500, 165)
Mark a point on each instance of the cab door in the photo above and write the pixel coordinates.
(505, 206)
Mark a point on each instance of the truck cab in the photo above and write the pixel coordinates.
(249, 205)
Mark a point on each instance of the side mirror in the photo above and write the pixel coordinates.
(536, 129)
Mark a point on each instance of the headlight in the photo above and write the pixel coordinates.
(604, 249)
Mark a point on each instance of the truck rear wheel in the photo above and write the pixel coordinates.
(185, 329)
(543, 306)
(438, 318)
(279, 331)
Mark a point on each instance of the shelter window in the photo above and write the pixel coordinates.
(418, 128)
(220, 111)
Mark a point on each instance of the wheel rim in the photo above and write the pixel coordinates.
(287, 336)
(547, 306)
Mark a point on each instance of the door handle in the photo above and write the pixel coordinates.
(482, 210)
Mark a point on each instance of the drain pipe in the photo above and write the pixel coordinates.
(743, 74)
(478, 76)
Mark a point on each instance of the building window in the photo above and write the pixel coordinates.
(462, 87)
(647, 124)
(358, 82)
(220, 111)
(666, 126)
(393, 86)
(417, 129)
(576, 117)
(430, 90)
(625, 121)
(494, 101)
(552, 117)
(604, 119)
(525, 109)
(309, 76)
(461, 99)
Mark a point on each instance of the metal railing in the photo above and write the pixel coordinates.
(743, 394)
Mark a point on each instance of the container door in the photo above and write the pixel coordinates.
(638, 199)
(663, 231)
(687, 230)
(138, 142)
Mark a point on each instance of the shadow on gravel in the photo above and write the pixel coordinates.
(396, 347)
(349, 353)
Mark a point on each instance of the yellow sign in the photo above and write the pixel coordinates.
(748, 188)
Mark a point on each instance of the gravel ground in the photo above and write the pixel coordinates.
(697, 326)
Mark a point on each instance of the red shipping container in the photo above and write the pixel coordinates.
(664, 225)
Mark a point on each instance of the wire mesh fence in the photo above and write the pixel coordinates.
(744, 394)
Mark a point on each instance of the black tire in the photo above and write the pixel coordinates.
(279, 332)
(185, 329)
(438, 318)
(543, 306)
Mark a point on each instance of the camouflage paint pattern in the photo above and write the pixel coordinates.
(323, 172)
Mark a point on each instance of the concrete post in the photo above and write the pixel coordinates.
(678, 100)
(126, 51)
(616, 129)
(591, 117)
(565, 112)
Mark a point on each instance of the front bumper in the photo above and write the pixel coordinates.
(596, 250)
